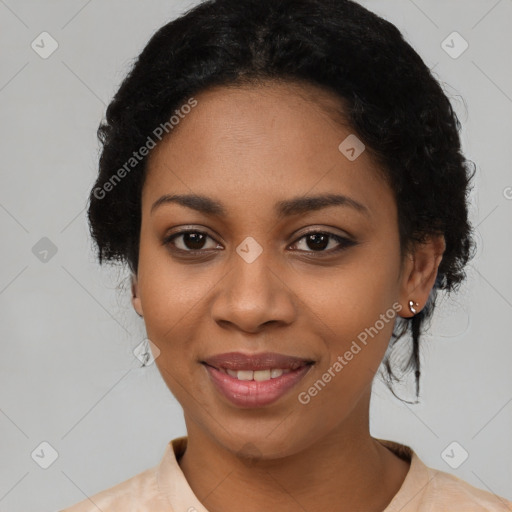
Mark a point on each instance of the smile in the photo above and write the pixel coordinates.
(250, 381)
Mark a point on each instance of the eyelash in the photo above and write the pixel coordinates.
(345, 243)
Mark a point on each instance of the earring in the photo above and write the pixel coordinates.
(412, 308)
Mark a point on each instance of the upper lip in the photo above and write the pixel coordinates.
(261, 361)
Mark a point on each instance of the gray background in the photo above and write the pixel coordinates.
(68, 374)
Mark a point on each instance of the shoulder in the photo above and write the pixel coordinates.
(459, 495)
(151, 489)
(426, 489)
(131, 495)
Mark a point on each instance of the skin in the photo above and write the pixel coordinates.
(250, 147)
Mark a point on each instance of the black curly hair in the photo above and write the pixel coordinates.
(390, 100)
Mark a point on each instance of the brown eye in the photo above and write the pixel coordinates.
(318, 241)
(191, 241)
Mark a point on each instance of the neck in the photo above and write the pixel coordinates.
(334, 472)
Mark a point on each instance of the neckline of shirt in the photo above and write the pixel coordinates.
(176, 489)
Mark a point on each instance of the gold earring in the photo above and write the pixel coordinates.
(412, 308)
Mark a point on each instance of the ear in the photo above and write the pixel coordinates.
(136, 297)
(419, 273)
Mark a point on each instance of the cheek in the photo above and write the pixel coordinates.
(172, 315)
(170, 291)
(352, 297)
(355, 351)
(356, 313)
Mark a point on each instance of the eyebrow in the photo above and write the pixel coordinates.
(287, 208)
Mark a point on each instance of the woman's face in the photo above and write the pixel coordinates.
(263, 271)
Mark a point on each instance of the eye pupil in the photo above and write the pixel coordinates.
(318, 237)
(196, 239)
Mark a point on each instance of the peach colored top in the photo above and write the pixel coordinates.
(164, 488)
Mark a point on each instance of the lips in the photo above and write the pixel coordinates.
(255, 380)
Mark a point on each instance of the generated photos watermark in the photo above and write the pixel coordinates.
(159, 132)
(305, 397)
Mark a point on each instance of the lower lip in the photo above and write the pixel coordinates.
(252, 393)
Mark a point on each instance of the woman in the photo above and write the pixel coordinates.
(285, 181)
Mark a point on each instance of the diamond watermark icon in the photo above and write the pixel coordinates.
(44, 250)
(351, 147)
(454, 45)
(454, 455)
(249, 453)
(249, 249)
(146, 352)
(44, 455)
(44, 45)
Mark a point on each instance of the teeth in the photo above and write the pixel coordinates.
(258, 375)
(262, 375)
(245, 375)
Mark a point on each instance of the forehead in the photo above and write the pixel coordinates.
(262, 142)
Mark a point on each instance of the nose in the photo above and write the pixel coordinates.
(253, 294)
